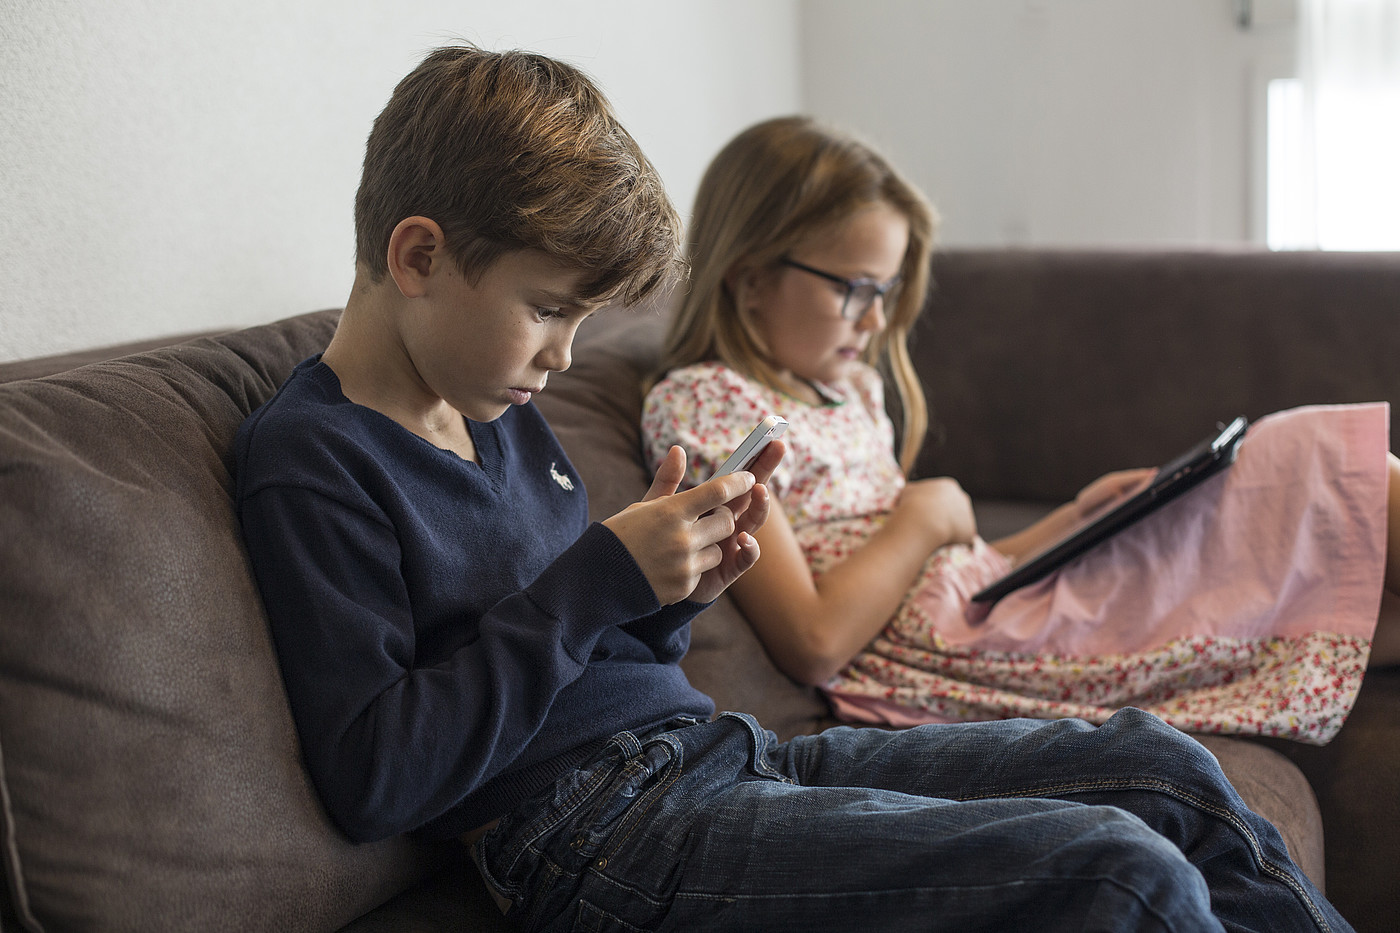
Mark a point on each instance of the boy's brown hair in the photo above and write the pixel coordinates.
(514, 150)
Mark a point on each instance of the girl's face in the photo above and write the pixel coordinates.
(798, 311)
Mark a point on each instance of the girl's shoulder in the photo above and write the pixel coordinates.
(703, 383)
(707, 373)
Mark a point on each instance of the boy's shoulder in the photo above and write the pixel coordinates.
(308, 408)
(300, 433)
(310, 436)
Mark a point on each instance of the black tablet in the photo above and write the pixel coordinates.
(1206, 459)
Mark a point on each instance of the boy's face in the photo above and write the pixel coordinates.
(486, 345)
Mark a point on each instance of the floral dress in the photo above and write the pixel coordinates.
(1246, 606)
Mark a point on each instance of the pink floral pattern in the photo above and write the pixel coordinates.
(836, 485)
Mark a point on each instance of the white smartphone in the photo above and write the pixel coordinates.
(768, 430)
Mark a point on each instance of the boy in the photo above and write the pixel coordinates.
(465, 656)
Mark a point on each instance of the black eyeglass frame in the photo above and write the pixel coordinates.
(877, 289)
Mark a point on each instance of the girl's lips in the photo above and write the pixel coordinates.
(849, 353)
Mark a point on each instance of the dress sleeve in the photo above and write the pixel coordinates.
(390, 745)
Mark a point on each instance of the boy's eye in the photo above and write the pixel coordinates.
(547, 314)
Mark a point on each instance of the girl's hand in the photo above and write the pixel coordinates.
(1110, 488)
(693, 544)
(1092, 499)
(941, 508)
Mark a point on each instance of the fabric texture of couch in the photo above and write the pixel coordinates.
(149, 772)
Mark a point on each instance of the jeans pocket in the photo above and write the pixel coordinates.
(592, 919)
(623, 800)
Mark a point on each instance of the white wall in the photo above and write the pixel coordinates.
(1060, 122)
(168, 167)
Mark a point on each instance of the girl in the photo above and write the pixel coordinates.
(1249, 606)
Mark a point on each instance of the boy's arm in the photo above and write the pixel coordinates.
(389, 744)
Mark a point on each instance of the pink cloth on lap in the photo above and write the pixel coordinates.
(1289, 540)
(1246, 606)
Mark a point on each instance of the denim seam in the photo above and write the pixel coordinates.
(586, 905)
(632, 891)
(1266, 865)
(820, 895)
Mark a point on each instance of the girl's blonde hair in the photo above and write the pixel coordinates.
(773, 187)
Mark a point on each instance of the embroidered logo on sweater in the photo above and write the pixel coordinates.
(561, 478)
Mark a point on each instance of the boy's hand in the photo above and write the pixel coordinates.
(695, 543)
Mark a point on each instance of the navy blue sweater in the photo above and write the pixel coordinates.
(452, 635)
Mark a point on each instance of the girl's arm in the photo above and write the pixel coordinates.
(812, 627)
(1099, 494)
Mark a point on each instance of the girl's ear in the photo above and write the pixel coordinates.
(417, 248)
(744, 284)
(732, 280)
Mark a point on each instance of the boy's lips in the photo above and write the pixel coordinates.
(521, 396)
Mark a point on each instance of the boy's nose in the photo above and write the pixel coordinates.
(557, 357)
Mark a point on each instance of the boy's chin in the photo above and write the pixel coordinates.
(482, 414)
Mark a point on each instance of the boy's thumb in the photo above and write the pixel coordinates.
(668, 475)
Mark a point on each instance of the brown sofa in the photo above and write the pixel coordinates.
(149, 773)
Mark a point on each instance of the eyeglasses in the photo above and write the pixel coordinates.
(860, 293)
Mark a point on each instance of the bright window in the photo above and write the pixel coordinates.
(1334, 133)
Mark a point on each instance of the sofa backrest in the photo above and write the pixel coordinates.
(1046, 368)
(149, 772)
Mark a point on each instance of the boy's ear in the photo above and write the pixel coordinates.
(417, 248)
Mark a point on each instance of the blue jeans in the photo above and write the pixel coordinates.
(1011, 825)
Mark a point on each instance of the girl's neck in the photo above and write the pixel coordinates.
(807, 391)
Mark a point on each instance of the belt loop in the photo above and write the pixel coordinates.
(627, 744)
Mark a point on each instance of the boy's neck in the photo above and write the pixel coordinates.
(375, 370)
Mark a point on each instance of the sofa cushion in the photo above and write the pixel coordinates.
(149, 771)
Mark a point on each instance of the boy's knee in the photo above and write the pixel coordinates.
(1116, 866)
(1159, 749)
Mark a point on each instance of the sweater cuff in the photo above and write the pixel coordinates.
(595, 584)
